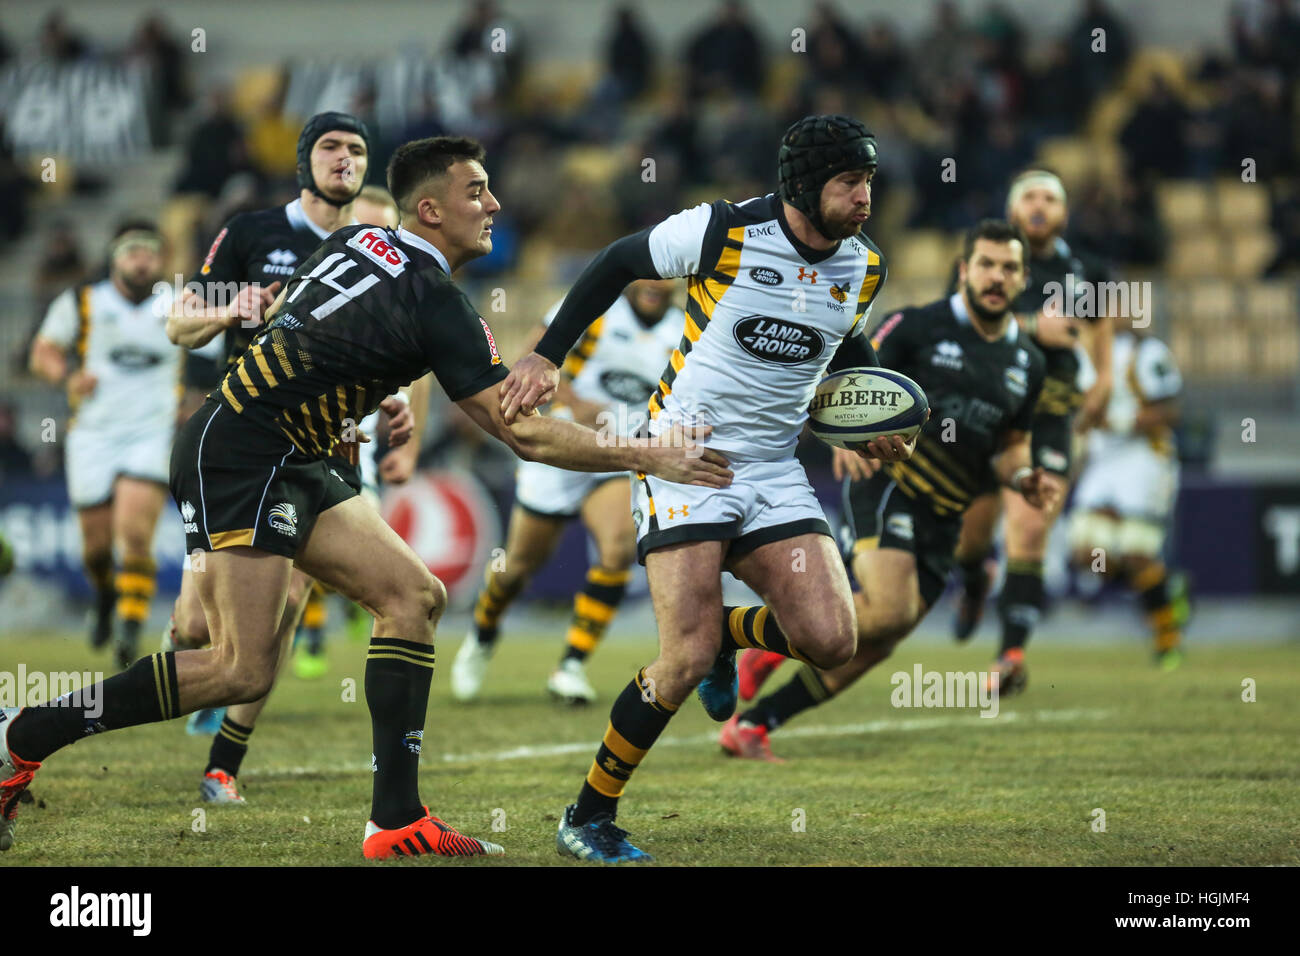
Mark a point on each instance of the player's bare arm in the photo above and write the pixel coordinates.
(1155, 417)
(1100, 346)
(48, 361)
(1014, 467)
(567, 445)
(534, 378)
(193, 327)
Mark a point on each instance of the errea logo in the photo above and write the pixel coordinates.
(947, 355)
(187, 516)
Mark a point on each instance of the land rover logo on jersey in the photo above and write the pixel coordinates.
(778, 340)
(625, 386)
(766, 276)
(128, 356)
(1017, 381)
(284, 518)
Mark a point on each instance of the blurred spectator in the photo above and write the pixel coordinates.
(61, 265)
(15, 461)
(834, 52)
(14, 190)
(487, 32)
(1112, 46)
(1286, 225)
(629, 57)
(726, 54)
(58, 42)
(1259, 125)
(1055, 97)
(153, 45)
(1155, 137)
(216, 149)
(272, 139)
(947, 53)
(883, 62)
(1266, 33)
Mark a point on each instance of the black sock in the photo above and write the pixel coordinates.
(801, 692)
(745, 627)
(635, 723)
(1021, 603)
(142, 694)
(974, 580)
(398, 674)
(229, 745)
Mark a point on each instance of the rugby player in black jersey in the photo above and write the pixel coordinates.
(370, 310)
(983, 377)
(249, 261)
(1037, 204)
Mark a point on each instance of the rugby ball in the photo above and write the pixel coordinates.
(855, 405)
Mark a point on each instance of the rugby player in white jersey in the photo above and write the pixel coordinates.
(779, 291)
(1127, 490)
(605, 383)
(107, 341)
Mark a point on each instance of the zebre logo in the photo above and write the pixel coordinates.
(283, 518)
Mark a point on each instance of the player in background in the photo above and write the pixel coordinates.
(779, 289)
(372, 207)
(1128, 486)
(107, 342)
(369, 309)
(603, 385)
(1036, 204)
(251, 257)
(983, 377)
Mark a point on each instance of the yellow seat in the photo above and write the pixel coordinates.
(1249, 253)
(1197, 255)
(926, 254)
(1241, 205)
(1272, 300)
(1184, 206)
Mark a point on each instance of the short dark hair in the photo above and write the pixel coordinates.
(994, 230)
(135, 225)
(422, 159)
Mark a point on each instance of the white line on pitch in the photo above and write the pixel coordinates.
(837, 730)
(888, 725)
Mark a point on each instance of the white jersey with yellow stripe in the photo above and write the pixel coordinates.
(616, 360)
(764, 316)
(125, 346)
(1145, 372)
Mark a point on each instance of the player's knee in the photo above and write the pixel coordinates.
(828, 645)
(429, 597)
(890, 624)
(191, 624)
(692, 663)
(617, 554)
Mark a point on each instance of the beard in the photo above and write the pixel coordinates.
(841, 229)
(138, 288)
(987, 316)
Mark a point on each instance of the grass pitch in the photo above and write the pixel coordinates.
(1186, 772)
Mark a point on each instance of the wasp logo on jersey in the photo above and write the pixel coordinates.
(778, 340)
(765, 276)
(283, 518)
(839, 292)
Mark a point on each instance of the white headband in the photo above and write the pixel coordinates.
(1036, 180)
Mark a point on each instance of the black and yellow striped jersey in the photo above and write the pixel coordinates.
(979, 391)
(371, 310)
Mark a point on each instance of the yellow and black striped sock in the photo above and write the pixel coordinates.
(398, 674)
(1152, 586)
(144, 693)
(806, 689)
(229, 745)
(593, 608)
(314, 614)
(1021, 603)
(636, 720)
(136, 583)
(756, 626)
(492, 603)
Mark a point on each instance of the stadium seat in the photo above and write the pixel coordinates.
(1241, 205)
(1196, 256)
(1072, 157)
(924, 254)
(1272, 300)
(1249, 252)
(1184, 206)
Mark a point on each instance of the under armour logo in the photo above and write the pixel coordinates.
(684, 509)
(805, 274)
